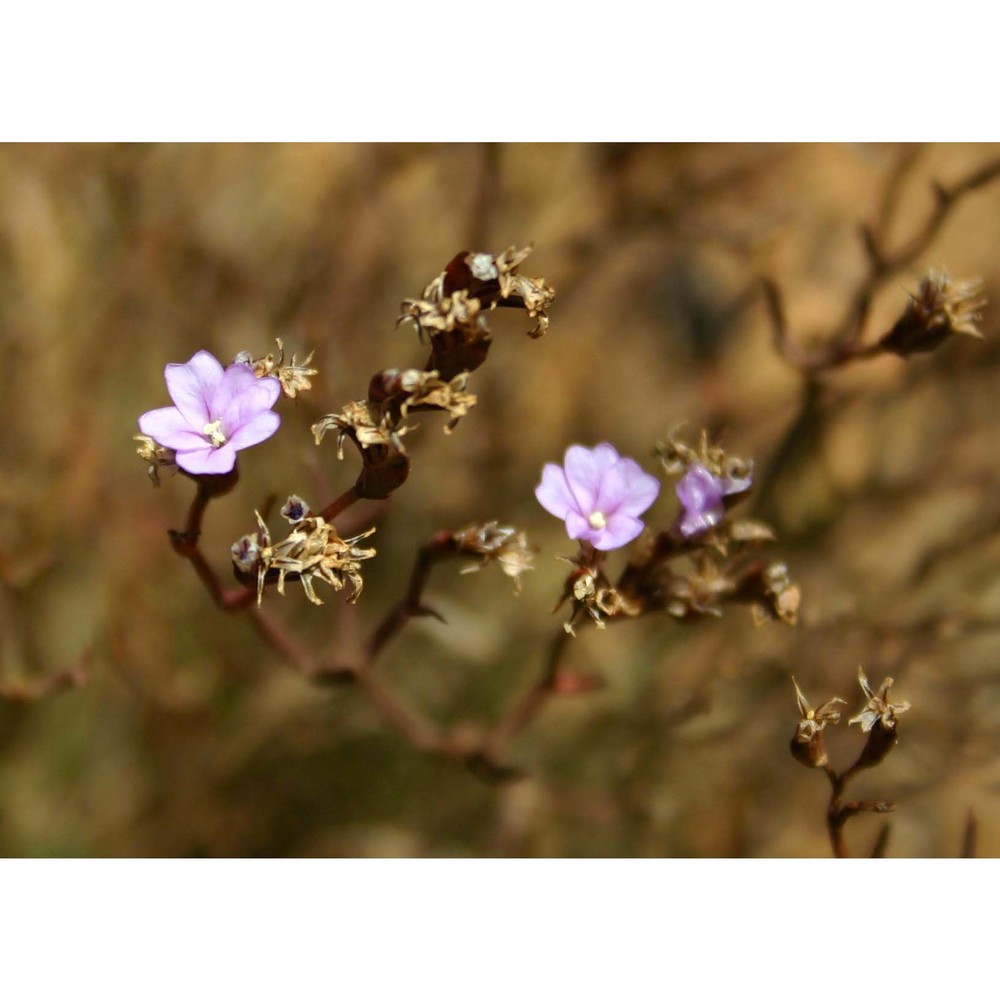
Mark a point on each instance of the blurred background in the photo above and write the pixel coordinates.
(190, 737)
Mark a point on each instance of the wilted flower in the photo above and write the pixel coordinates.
(294, 377)
(216, 413)
(878, 719)
(156, 456)
(807, 744)
(590, 592)
(940, 308)
(506, 546)
(397, 392)
(702, 497)
(295, 509)
(312, 551)
(879, 709)
(599, 494)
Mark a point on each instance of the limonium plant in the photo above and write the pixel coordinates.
(602, 497)
(636, 555)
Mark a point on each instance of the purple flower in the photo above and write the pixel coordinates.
(599, 494)
(216, 413)
(701, 495)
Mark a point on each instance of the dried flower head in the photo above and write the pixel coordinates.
(940, 308)
(599, 495)
(399, 392)
(293, 377)
(700, 591)
(505, 546)
(216, 413)
(879, 709)
(451, 310)
(590, 592)
(155, 455)
(807, 743)
(815, 720)
(312, 551)
(295, 509)
(772, 593)
(533, 293)
(363, 423)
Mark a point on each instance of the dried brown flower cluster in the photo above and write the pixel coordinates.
(878, 719)
(678, 457)
(494, 543)
(451, 312)
(592, 595)
(294, 377)
(312, 551)
(940, 309)
(155, 456)
(808, 746)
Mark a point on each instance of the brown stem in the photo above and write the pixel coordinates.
(839, 812)
(800, 432)
(416, 731)
(411, 604)
(523, 712)
(835, 819)
(969, 836)
(186, 545)
(24, 692)
(341, 504)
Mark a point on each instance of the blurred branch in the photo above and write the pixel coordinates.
(524, 711)
(26, 692)
(839, 812)
(881, 844)
(842, 344)
(970, 836)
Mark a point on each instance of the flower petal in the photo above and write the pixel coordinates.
(627, 488)
(242, 396)
(620, 530)
(695, 522)
(577, 526)
(260, 428)
(698, 490)
(168, 428)
(208, 461)
(553, 493)
(192, 386)
(585, 471)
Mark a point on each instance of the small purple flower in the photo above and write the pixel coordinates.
(701, 495)
(599, 494)
(216, 413)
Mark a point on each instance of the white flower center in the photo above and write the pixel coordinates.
(597, 520)
(213, 432)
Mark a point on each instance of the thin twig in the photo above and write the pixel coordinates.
(524, 711)
(843, 343)
(970, 836)
(27, 691)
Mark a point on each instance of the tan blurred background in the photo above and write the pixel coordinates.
(191, 738)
